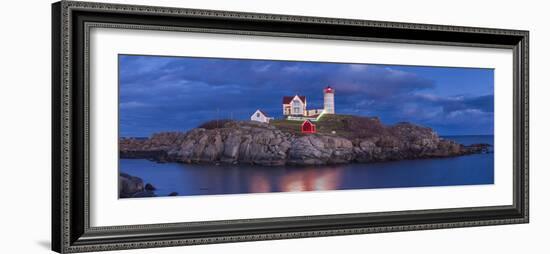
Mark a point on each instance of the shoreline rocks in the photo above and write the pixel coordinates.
(246, 142)
(133, 187)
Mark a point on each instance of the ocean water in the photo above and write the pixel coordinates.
(188, 179)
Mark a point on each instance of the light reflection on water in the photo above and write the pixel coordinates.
(308, 179)
(188, 179)
(210, 179)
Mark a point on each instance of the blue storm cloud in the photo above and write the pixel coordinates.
(179, 93)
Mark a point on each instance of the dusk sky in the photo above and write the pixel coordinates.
(179, 93)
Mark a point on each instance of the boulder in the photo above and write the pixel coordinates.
(133, 187)
(129, 185)
(150, 187)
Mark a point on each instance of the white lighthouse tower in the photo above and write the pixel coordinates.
(328, 100)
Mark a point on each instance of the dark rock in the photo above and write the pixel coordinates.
(129, 185)
(132, 187)
(150, 187)
(173, 194)
(144, 194)
(479, 148)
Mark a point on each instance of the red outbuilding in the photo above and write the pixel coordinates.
(308, 127)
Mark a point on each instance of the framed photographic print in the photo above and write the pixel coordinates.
(181, 126)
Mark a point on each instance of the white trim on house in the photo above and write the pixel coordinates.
(297, 106)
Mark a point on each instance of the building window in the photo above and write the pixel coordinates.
(296, 106)
(258, 115)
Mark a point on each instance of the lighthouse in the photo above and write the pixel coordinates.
(328, 100)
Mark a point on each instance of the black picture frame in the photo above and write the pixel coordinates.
(71, 231)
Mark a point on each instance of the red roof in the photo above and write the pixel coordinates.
(307, 121)
(288, 99)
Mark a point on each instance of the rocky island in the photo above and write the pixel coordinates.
(339, 139)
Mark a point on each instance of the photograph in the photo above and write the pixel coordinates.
(216, 126)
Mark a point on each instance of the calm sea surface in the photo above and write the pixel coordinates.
(228, 179)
